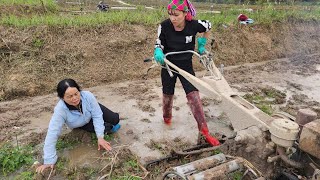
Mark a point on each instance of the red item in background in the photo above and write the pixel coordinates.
(242, 17)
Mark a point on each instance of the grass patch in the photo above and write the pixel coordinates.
(132, 165)
(12, 158)
(62, 164)
(237, 175)
(66, 143)
(217, 151)
(107, 137)
(26, 175)
(49, 5)
(266, 108)
(89, 20)
(264, 15)
(28, 2)
(126, 177)
(38, 43)
(264, 98)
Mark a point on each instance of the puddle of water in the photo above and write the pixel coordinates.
(87, 155)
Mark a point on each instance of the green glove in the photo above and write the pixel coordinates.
(158, 55)
(201, 44)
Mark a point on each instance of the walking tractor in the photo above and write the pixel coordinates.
(283, 146)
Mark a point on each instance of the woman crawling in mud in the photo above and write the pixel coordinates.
(178, 34)
(77, 109)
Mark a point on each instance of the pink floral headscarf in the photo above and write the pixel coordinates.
(183, 5)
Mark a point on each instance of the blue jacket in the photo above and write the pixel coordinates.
(73, 119)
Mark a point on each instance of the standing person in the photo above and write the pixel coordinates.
(178, 33)
(77, 109)
(102, 6)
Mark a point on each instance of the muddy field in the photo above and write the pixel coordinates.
(144, 137)
(280, 58)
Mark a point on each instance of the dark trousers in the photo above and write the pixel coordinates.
(110, 119)
(168, 83)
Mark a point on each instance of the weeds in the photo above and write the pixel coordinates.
(26, 2)
(107, 137)
(237, 175)
(38, 43)
(27, 175)
(132, 165)
(127, 177)
(217, 151)
(62, 144)
(93, 19)
(264, 98)
(49, 5)
(131, 170)
(266, 108)
(12, 158)
(61, 164)
(265, 15)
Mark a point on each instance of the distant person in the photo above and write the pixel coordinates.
(178, 33)
(102, 6)
(243, 19)
(77, 109)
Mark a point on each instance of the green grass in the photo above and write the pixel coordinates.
(260, 102)
(217, 151)
(38, 43)
(237, 175)
(264, 98)
(93, 19)
(107, 137)
(126, 177)
(266, 108)
(265, 15)
(62, 164)
(27, 2)
(132, 164)
(12, 158)
(62, 144)
(50, 5)
(26, 175)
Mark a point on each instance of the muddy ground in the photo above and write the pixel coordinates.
(144, 137)
(108, 61)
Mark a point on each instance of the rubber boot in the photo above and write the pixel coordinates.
(167, 104)
(195, 105)
(115, 128)
(210, 139)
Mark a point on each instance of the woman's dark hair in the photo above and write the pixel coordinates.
(63, 86)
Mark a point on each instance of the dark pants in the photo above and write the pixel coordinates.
(110, 119)
(168, 83)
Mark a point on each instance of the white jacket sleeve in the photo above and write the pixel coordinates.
(54, 131)
(97, 116)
